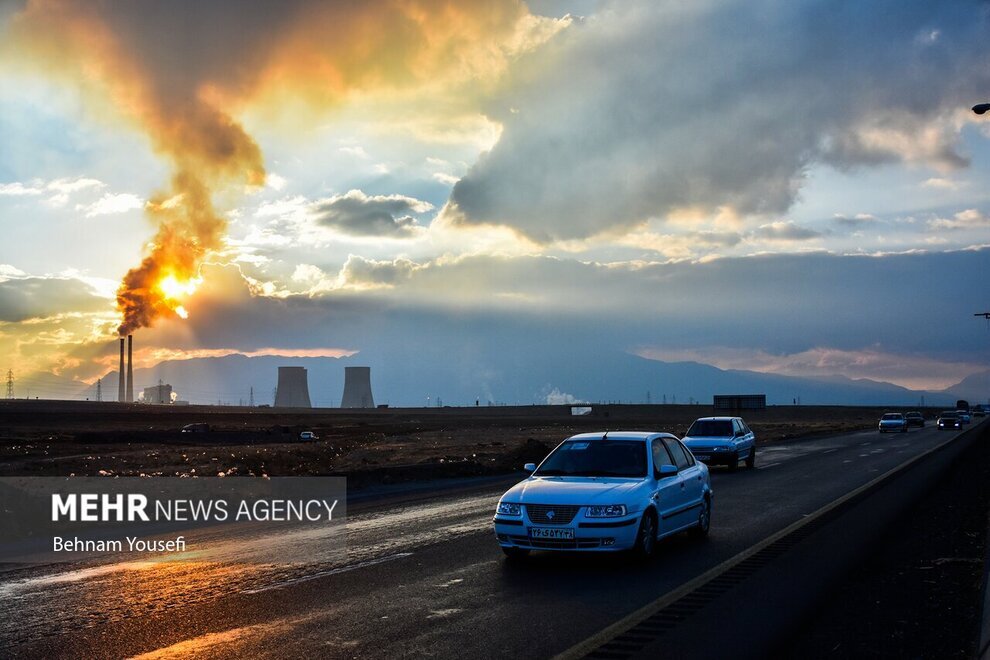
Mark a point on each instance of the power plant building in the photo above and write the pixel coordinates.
(158, 394)
(357, 388)
(293, 388)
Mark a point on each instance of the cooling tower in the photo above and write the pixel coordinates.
(120, 374)
(293, 388)
(357, 388)
(130, 370)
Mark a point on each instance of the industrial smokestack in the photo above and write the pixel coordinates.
(120, 374)
(293, 388)
(130, 370)
(357, 388)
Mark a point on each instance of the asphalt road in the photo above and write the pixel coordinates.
(421, 577)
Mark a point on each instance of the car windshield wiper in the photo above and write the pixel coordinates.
(553, 473)
(602, 473)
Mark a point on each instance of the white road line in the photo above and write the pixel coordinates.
(829, 451)
(768, 466)
(333, 571)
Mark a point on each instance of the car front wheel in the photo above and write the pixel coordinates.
(646, 537)
(751, 459)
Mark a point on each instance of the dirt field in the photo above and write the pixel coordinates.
(373, 446)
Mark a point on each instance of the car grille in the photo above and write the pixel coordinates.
(555, 544)
(551, 514)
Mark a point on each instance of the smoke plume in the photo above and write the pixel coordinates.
(182, 70)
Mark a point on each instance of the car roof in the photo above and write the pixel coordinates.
(716, 419)
(620, 435)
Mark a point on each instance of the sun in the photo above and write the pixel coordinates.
(173, 289)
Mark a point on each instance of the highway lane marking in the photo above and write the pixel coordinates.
(768, 466)
(588, 645)
(332, 571)
(829, 451)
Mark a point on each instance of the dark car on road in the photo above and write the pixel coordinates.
(198, 427)
(915, 419)
(722, 441)
(949, 420)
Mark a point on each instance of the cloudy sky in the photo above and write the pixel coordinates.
(789, 186)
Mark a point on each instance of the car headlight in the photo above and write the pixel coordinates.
(606, 511)
(509, 509)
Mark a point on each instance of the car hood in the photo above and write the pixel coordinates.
(572, 490)
(706, 440)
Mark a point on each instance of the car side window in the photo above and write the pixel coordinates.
(745, 427)
(675, 450)
(660, 455)
(687, 453)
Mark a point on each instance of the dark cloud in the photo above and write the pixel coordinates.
(781, 304)
(359, 214)
(652, 107)
(855, 221)
(40, 297)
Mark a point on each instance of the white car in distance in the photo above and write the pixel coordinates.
(606, 492)
(895, 422)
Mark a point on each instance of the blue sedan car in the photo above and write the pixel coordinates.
(603, 492)
(722, 441)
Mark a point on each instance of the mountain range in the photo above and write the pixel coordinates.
(465, 378)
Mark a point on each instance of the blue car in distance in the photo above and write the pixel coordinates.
(722, 441)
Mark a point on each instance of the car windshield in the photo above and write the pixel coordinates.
(892, 416)
(596, 458)
(710, 427)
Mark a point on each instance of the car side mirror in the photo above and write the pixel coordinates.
(665, 471)
(530, 467)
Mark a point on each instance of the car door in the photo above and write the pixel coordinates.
(669, 497)
(691, 484)
(749, 438)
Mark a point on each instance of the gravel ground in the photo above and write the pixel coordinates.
(369, 447)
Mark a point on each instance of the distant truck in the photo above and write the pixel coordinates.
(962, 404)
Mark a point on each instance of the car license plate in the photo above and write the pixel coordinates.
(551, 533)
